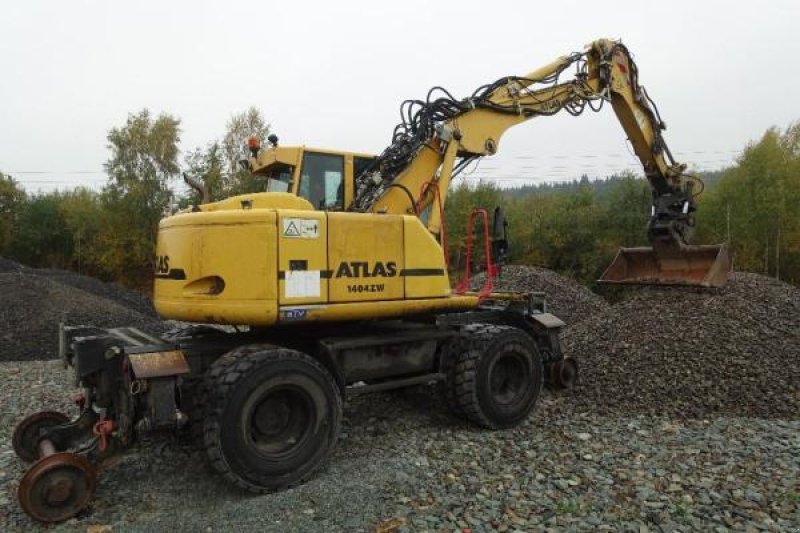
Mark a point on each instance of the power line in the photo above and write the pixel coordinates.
(554, 156)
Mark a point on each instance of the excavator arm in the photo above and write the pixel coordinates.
(440, 136)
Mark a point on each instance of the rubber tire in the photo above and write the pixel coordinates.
(487, 343)
(231, 381)
(451, 352)
(193, 394)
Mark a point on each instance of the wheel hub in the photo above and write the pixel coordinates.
(272, 416)
(507, 379)
(281, 420)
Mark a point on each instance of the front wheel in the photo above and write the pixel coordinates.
(273, 417)
(497, 377)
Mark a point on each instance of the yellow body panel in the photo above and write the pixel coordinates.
(218, 267)
(302, 257)
(366, 257)
(266, 258)
(423, 257)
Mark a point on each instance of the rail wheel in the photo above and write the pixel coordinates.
(497, 380)
(564, 373)
(273, 417)
(57, 487)
(26, 435)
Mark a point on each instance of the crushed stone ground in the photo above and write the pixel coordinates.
(403, 457)
(686, 418)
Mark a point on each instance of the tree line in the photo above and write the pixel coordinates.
(111, 234)
(574, 228)
(577, 227)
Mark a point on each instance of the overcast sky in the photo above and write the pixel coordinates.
(332, 75)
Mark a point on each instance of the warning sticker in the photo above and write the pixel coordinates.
(300, 228)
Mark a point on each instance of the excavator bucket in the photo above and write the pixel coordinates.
(698, 265)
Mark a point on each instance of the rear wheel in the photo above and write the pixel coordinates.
(272, 419)
(497, 378)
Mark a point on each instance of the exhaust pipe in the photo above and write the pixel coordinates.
(690, 265)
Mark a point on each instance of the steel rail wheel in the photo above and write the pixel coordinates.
(57, 487)
(27, 433)
(564, 373)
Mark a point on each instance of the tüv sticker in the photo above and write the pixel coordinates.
(293, 314)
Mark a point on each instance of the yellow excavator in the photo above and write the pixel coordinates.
(334, 282)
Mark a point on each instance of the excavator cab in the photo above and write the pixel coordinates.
(323, 177)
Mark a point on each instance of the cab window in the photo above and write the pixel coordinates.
(322, 180)
(278, 178)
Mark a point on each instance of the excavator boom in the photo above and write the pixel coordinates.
(440, 135)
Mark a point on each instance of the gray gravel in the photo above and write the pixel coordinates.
(107, 290)
(402, 457)
(566, 298)
(33, 304)
(672, 428)
(693, 353)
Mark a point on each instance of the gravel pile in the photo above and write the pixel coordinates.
(7, 265)
(110, 291)
(33, 305)
(693, 353)
(403, 460)
(566, 298)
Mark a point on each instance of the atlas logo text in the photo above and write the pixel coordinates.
(363, 269)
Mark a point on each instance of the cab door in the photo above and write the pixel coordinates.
(322, 180)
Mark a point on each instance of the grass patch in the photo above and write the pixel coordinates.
(567, 507)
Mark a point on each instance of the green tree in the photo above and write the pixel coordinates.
(626, 212)
(12, 200)
(84, 215)
(461, 200)
(143, 161)
(41, 238)
(207, 165)
(240, 127)
(756, 205)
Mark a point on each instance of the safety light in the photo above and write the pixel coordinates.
(254, 145)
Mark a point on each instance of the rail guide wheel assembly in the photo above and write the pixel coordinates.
(58, 485)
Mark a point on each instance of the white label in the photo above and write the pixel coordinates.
(300, 228)
(302, 284)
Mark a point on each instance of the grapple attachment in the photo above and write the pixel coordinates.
(694, 265)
